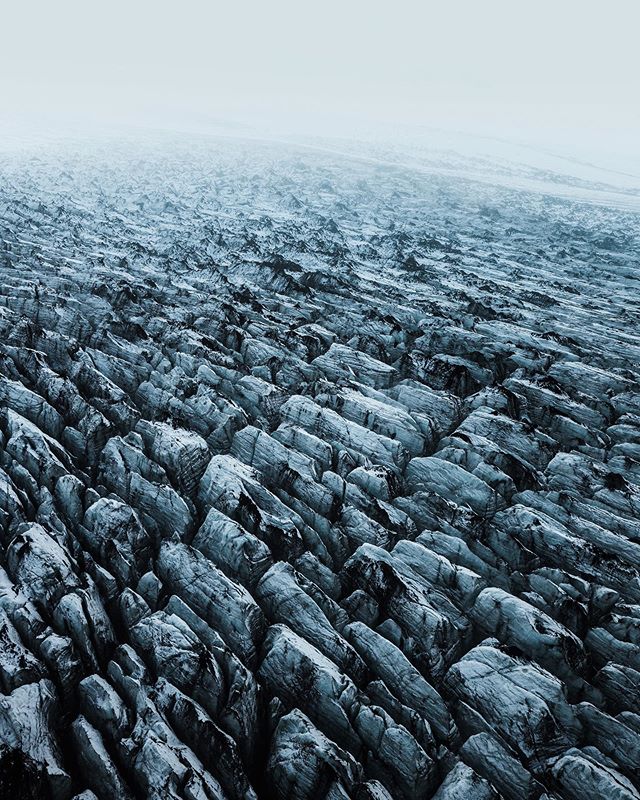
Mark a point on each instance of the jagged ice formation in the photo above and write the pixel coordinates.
(319, 478)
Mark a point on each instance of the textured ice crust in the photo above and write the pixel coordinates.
(319, 478)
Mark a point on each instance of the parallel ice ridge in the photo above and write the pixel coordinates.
(318, 479)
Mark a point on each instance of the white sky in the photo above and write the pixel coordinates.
(565, 71)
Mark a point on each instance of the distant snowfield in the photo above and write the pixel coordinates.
(485, 159)
(613, 189)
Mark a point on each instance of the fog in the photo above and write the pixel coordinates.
(561, 74)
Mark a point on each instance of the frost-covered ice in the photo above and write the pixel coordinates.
(319, 475)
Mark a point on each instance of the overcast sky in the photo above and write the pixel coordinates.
(548, 70)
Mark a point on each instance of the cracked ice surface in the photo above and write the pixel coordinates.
(319, 477)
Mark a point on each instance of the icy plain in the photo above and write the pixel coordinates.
(319, 474)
